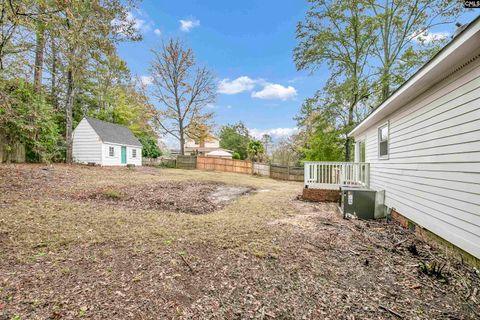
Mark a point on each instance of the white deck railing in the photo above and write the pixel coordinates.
(331, 175)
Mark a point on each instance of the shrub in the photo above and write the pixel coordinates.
(150, 147)
(27, 118)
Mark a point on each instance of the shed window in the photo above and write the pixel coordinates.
(111, 151)
(383, 137)
(134, 153)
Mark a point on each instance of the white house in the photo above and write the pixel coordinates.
(219, 154)
(203, 147)
(422, 146)
(105, 143)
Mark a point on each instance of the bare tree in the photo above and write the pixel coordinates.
(183, 89)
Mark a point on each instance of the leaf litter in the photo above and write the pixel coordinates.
(66, 255)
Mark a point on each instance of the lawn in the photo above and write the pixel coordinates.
(148, 243)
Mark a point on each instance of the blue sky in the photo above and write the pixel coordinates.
(247, 44)
(251, 39)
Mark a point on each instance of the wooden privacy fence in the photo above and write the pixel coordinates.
(15, 154)
(160, 162)
(186, 162)
(286, 173)
(261, 169)
(241, 166)
(225, 165)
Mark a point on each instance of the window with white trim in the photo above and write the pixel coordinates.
(383, 137)
(134, 153)
(111, 151)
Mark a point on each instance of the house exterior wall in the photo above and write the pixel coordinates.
(214, 143)
(432, 173)
(116, 160)
(87, 146)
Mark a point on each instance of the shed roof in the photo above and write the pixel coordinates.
(113, 133)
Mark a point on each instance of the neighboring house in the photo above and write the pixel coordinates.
(105, 143)
(422, 146)
(202, 147)
(219, 154)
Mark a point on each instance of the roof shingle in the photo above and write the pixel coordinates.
(114, 133)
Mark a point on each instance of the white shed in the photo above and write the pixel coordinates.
(105, 143)
(423, 144)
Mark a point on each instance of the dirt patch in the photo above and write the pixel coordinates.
(182, 196)
(224, 194)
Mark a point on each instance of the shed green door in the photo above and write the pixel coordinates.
(124, 155)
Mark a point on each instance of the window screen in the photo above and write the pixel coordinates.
(134, 153)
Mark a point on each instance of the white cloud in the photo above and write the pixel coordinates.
(245, 83)
(275, 91)
(146, 80)
(157, 32)
(275, 133)
(427, 37)
(187, 25)
(238, 85)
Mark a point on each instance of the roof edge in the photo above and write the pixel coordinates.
(459, 39)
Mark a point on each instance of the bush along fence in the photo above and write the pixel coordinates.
(159, 162)
(273, 171)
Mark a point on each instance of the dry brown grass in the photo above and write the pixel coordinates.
(264, 255)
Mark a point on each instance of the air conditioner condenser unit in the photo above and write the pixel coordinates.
(362, 203)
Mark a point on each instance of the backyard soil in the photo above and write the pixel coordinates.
(72, 246)
(184, 196)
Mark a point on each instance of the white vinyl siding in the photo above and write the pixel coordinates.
(87, 147)
(116, 160)
(432, 174)
(137, 160)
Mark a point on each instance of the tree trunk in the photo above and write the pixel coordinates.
(182, 141)
(385, 83)
(39, 49)
(53, 80)
(348, 140)
(68, 116)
